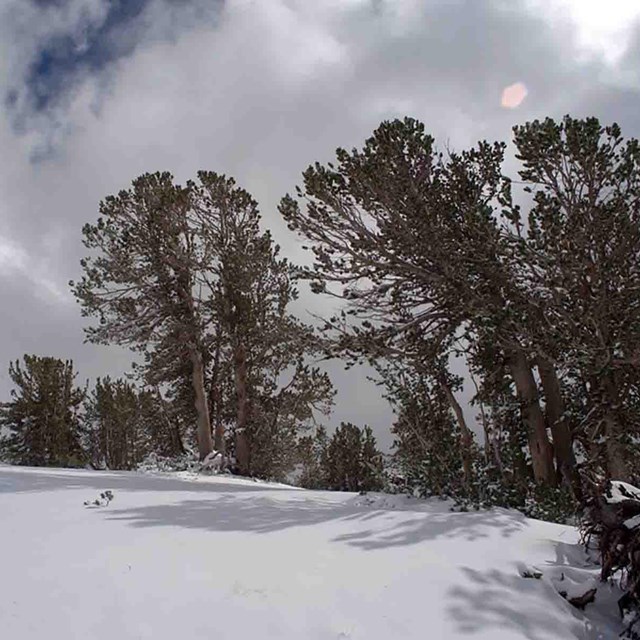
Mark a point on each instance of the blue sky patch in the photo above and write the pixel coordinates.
(60, 59)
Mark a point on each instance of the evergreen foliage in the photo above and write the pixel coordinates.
(42, 422)
(347, 461)
(123, 425)
(184, 275)
(433, 260)
(533, 284)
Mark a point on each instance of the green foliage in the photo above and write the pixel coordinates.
(432, 257)
(123, 425)
(351, 461)
(347, 461)
(43, 417)
(311, 457)
(185, 275)
(427, 444)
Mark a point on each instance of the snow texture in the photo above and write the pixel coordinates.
(185, 556)
(621, 491)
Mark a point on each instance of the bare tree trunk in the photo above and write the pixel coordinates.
(242, 444)
(562, 438)
(466, 437)
(539, 445)
(216, 406)
(205, 441)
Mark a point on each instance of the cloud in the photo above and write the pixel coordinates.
(97, 92)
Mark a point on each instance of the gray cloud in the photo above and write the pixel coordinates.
(257, 90)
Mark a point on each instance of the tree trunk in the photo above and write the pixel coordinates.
(562, 439)
(539, 445)
(466, 437)
(616, 458)
(205, 441)
(242, 443)
(216, 406)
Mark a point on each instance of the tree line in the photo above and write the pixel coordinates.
(437, 257)
(533, 280)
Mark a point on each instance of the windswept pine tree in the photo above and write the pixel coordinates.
(412, 240)
(580, 259)
(42, 420)
(432, 257)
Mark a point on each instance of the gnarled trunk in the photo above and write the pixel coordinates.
(205, 441)
(539, 445)
(562, 439)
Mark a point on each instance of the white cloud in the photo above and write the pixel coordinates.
(603, 28)
(17, 262)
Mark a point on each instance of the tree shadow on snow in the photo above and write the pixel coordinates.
(262, 514)
(39, 479)
(469, 526)
(532, 608)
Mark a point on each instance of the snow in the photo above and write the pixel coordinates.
(621, 491)
(184, 556)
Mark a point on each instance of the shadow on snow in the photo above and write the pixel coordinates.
(266, 514)
(506, 600)
(39, 479)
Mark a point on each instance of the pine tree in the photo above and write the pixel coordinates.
(427, 446)
(43, 416)
(414, 243)
(351, 461)
(186, 276)
(123, 424)
(144, 285)
(580, 258)
(312, 452)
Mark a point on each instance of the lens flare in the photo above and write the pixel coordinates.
(513, 95)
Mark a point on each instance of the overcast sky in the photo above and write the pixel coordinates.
(95, 92)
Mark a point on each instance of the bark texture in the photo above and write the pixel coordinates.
(562, 438)
(205, 441)
(539, 444)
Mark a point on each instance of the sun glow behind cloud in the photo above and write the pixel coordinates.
(603, 28)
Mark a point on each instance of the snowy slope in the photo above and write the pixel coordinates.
(189, 559)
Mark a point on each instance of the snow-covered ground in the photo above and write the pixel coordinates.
(183, 558)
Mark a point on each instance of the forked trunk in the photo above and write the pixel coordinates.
(562, 439)
(533, 418)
